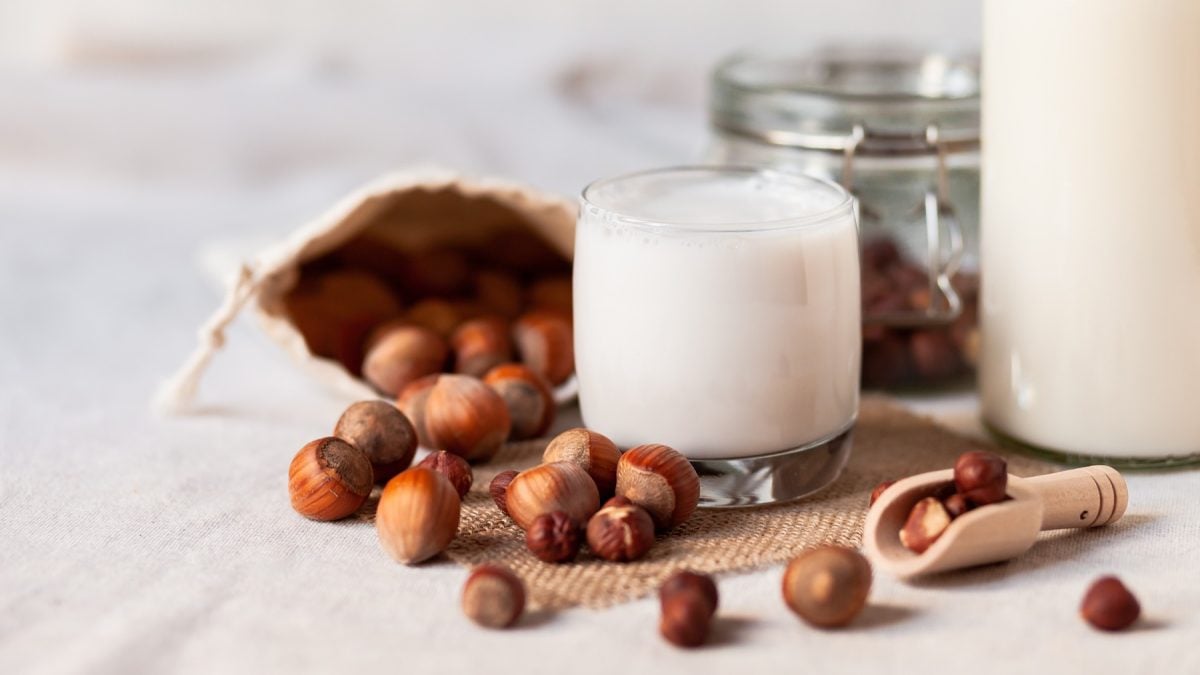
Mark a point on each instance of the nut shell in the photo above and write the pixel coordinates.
(329, 479)
(480, 345)
(662, 481)
(559, 486)
(493, 597)
(466, 417)
(418, 515)
(981, 477)
(453, 467)
(620, 532)
(827, 586)
(545, 340)
(413, 401)
(530, 402)
(400, 354)
(593, 452)
(379, 429)
(553, 538)
(1109, 605)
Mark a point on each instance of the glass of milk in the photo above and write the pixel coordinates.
(717, 311)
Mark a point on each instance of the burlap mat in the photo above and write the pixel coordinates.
(889, 443)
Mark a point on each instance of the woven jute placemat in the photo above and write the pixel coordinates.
(889, 443)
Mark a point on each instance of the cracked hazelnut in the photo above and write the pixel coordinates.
(559, 486)
(926, 522)
(688, 602)
(453, 467)
(593, 452)
(493, 597)
(621, 531)
(879, 490)
(400, 354)
(827, 586)
(1108, 605)
(418, 515)
(329, 479)
(481, 344)
(662, 481)
(553, 538)
(379, 429)
(530, 403)
(498, 489)
(545, 341)
(464, 416)
(981, 477)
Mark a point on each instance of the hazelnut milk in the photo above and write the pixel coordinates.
(717, 310)
(1091, 225)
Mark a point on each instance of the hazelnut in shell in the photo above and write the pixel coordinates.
(559, 486)
(661, 480)
(827, 586)
(466, 417)
(329, 479)
(436, 314)
(480, 345)
(527, 395)
(499, 292)
(545, 340)
(400, 354)
(593, 452)
(418, 515)
(453, 467)
(379, 429)
(493, 597)
(552, 293)
(413, 402)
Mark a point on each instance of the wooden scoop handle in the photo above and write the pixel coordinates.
(1088, 497)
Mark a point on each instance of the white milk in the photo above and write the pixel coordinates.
(1091, 214)
(721, 334)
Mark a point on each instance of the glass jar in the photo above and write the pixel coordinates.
(900, 130)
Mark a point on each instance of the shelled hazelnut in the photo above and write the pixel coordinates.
(925, 523)
(827, 586)
(400, 354)
(481, 344)
(466, 417)
(593, 452)
(1109, 605)
(329, 479)
(620, 531)
(981, 477)
(527, 395)
(380, 430)
(688, 602)
(661, 480)
(418, 515)
(493, 597)
(956, 505)
(559, 486)
(553, 537)
(498, 489)
(453, 467)
(545, 341)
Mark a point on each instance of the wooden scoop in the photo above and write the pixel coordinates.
(1088, 497)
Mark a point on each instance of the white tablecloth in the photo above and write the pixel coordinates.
(135, 544)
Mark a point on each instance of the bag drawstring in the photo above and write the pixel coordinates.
(176, 394)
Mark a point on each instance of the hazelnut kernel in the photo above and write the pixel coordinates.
(956, 505)
(662, 481)
(329, 479)
(685, 620)
(530, 402)
(498, 489)
(418, 515)
(686, 582)
(593, 452)
(453, 467)
(620, 532)
(493, 597)
(927, 520)
(981, 477)
(553, 538)
(1108, 605)
(380, 430)
(827, 586)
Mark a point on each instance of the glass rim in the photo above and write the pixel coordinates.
(844, 205)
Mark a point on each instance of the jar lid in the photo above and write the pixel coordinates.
(816, 101)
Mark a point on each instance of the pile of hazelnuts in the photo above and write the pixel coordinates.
(981, 479)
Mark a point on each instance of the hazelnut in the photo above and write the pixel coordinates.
(401, 354)
(418, 515)
(379, 429)
(438, 315)
(553, 538)
(551, 293)
(926, 522)
(530, 403)
(621, 531)
(545, 341)
(879, 490)
(464, 416)
(981, 477)
(499, 292)
(956, 505)
(885, 362)
(413, 402)
(660, 480)
(480, 344)
(498, 488)
(933, 354)
(559, 486)
(688, 603)
(335, 311)
(329, 479)
(879, 253)
(453, 467)
(827, 586)
(1108, 605)
(493, 597)
(441, 272)
(593, 452)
